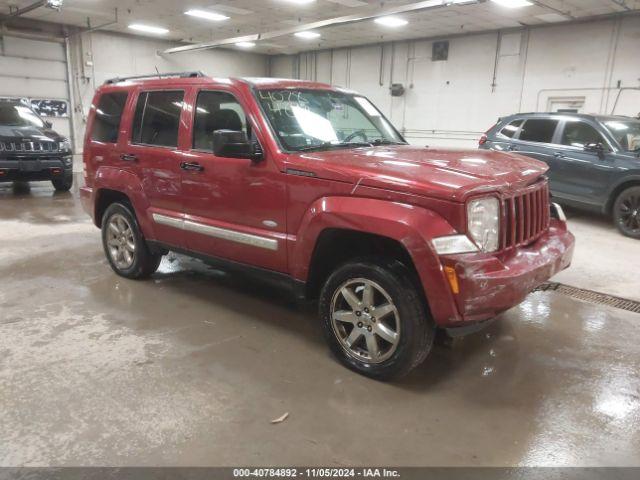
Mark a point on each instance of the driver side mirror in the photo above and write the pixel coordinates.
(598, 148)
(48, 125)
(235, 144)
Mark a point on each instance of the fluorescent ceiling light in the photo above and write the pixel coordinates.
(391, 21)
(245, 44)
(148, 29)
(215, 17)
(513, 3)
(307, 35)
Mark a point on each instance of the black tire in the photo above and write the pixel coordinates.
(63, 184)
(626, 212)
(143, 262)
(416, 328)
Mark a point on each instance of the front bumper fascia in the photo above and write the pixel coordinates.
(490, 284)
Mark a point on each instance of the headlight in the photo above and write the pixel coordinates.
(64, 146)
(483, 223)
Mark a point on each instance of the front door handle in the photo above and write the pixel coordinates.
(128, 157)
(559, 155)
(513, 148)
(194, 167)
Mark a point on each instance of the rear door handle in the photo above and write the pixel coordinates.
(559, 155)
(128, 157)
(194, 167)
(513, 148)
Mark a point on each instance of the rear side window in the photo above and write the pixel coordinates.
(511, 129)
(579, 134)
(157, 118)
(538, 130)
(216, 111)
(106, 123)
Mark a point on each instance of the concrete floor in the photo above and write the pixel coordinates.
(604, 260)
(190, 367)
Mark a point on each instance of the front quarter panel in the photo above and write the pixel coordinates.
(411, 226)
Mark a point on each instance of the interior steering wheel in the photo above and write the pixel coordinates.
(357, 133)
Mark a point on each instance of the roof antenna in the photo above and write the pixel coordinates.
(158, 72)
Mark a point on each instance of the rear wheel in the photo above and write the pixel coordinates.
(626, 212)
(63, 184)
(374, 319)
(124, 245)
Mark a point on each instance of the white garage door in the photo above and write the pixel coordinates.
(36, 70)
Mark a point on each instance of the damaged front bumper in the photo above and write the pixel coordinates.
(490, 284)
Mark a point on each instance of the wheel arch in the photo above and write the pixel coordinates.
(382, 226)
(628, 182)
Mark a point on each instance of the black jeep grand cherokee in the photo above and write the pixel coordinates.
(30, 150)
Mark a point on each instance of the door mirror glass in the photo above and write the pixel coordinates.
(598, 148)
(235, 144)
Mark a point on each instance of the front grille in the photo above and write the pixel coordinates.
(526, 215)
(35, 147)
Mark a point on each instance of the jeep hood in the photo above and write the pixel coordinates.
(446, 174)
(11, 133)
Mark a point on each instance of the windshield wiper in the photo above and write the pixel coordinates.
(329, 145)
(382, 141)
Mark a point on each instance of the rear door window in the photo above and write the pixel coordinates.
(579, 134)
(157, 118)
(511, 129)
(106, 123)
(540, 130)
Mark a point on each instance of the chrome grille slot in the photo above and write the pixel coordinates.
(525, 215)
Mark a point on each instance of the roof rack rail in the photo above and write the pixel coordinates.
(194, 74)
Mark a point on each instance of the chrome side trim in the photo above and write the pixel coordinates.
(232, 235)
(217, 232)
(168, 221)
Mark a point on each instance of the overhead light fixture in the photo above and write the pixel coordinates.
(391, 21)
(513, 3)
(148, 29)
(300, 1)
(307, 35)
(54, 4)
(245, 44)
(214, 17)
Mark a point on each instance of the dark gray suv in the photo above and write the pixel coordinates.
(594, 161)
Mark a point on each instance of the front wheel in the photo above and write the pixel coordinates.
(374, 319)
(124, 245)
(626, 212)
(63, 184)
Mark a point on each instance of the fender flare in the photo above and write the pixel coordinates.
(413, 227)
(111, 178)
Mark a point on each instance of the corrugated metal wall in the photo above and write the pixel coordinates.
(35, 69)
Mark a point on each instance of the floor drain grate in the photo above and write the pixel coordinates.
(590, 296)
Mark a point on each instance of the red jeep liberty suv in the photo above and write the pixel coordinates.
(311, 184)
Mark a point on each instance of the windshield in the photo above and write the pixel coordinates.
(17, 115)
(321, 119)
(626, 132)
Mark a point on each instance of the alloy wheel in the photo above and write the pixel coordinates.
(629, 213)
(365, 320)
(121, 242)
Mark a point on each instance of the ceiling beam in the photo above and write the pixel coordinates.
(330, 22)
(553, 9)
(622, 4)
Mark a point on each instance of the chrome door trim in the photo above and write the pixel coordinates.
(217, 232)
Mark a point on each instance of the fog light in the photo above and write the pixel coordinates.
(68, 161)
(453, 279)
